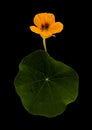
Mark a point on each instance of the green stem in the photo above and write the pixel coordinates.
(44, 44)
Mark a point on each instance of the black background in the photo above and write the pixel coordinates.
(19, 41)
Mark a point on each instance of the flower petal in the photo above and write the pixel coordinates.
(37, 20)
(43, 18)
(51, 18)
(35, 29)
(45, 34)
(56, 27)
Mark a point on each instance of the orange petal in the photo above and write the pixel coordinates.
(40, 19)
(35, 29)
(50, 18)
(47, 18)
(37, 20)
(56, 27)
(43, 18)
(45, 34)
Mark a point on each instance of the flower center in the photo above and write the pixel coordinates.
(45, 26)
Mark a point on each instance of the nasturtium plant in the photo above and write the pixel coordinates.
(45, 86)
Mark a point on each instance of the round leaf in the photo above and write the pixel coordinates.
(45, 86)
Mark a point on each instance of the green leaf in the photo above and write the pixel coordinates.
(45, 86)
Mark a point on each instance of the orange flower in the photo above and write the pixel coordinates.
(45, 25)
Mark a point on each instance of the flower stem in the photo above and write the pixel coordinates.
(44, 44)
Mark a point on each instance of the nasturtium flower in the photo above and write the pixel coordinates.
(45, 25)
